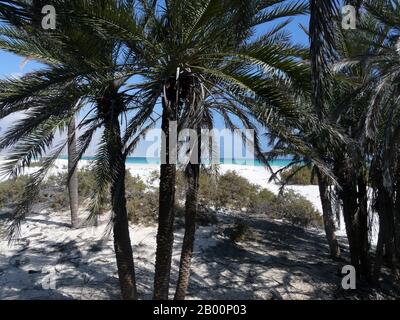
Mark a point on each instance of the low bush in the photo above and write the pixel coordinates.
(229, 191)
(59, 200)
(263, 201)
(233, 192)
(205, 216)
(290, 206)
(141, 204)
(153, 177)
(301, 176)
(208, 190)
(11, 191)
(297, 210)
(54, 190)
(143, 209)
(239, 232)
(86, 183)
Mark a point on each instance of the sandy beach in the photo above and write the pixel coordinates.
(283, 263)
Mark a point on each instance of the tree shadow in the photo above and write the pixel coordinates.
(286, 262)
(279, 262)
(49, 222)
(78, 272)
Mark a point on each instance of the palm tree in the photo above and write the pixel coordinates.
(340, 164)
(180, 51)
(380, 26)
(321, 54)
(303, 140)
(45, 95)
(366, 120)
(195, 61)
(180, 56)
(72, 185)
(324, 51)
(357, 78)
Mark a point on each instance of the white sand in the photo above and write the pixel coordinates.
(83, 263)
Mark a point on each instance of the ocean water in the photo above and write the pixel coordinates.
(247, 162)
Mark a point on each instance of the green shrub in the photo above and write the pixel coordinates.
(229, 191)
(59, 201)
(86, 183)
(54, 190)
(134, 185)
(263, 201)
(303, 176)
(297, 210)
(205, 216)
(11, 191)
(208, 189)
(144, 209)
(141, 203)
(233, 192)
(239, 232)
(290, 206)
(206, 197)
(56, 182)
(153, 178)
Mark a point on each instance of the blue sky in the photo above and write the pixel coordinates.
(12, 65)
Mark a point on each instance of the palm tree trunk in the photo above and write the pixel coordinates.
(389, 230)
(379, 249)
(349, 212)
(348, 196)
(354, 198)
(109, 109)
(122, 241)
(73, 175)
(386, 245)
(193, 175)
(365, 262)
(321, 53)
(397, 229)
(165, 232)
(397, 215)
(385, 207)
(363, 237)
(328, 216)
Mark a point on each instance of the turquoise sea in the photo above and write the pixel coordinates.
(144, 160)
